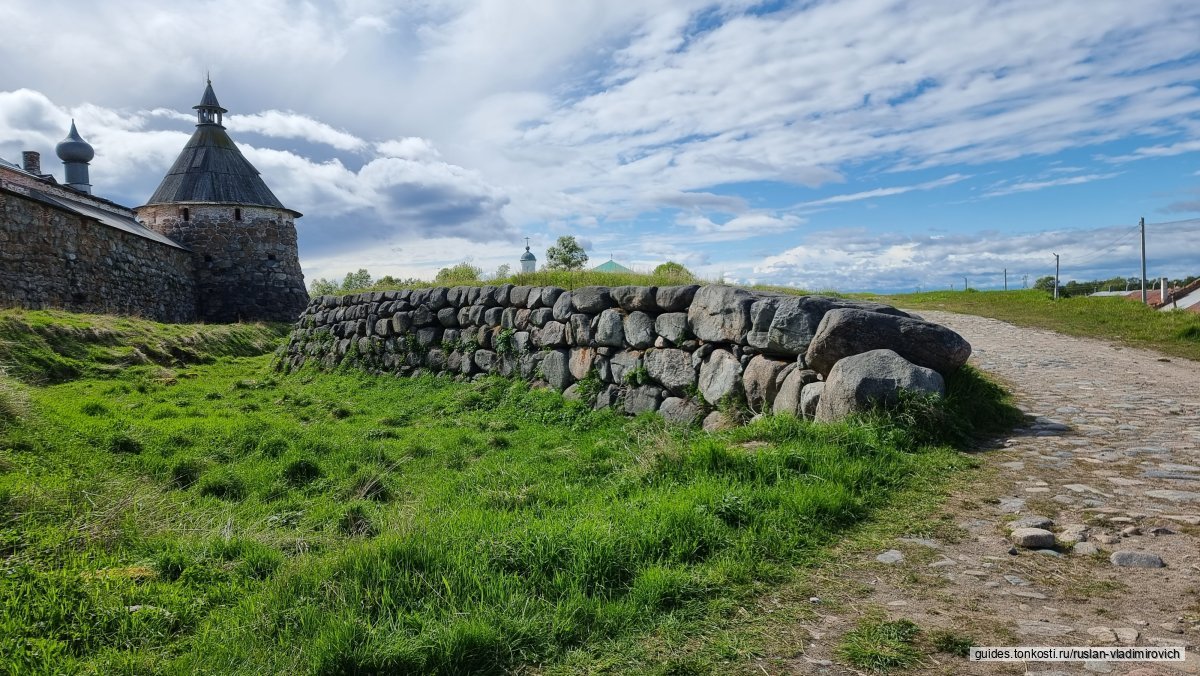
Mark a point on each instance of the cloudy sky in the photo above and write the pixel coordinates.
(856, 144)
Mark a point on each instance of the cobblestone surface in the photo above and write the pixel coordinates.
(1111, 458)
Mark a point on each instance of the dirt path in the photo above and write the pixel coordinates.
(1113, 461)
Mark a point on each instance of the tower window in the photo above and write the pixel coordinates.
(187, 214)
(237, 214)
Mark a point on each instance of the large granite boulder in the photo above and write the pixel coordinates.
(720, 376)
(787, 400)
(562, 308)
(792, 321)
(591, 299)
(679, 411)
(671, 368)
(675, 298)
(610, 329)
(581, 361)
(759, 381)
(556, 369)
(720, 314)
(810, 397)
(622, 363)
(844, 332)
(549, 296)
(639, 330)
(631, 298)
(861, 381)
(672, 326)
(642, 398)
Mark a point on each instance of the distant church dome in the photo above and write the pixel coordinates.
(528, 260)
(73, 148)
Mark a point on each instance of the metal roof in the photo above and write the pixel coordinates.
(209, 100)
(611, 266)
(212, 169)
(105, 218)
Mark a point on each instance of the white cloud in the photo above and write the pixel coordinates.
(280, 124)
(1158, 151)
(744, 226)
(856, 259)
(886, 192)
(481, 119)
(1030, 186)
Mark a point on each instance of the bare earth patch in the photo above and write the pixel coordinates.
(1111, 459)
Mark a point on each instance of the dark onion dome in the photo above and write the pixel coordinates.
(74, 149)
(528, 255)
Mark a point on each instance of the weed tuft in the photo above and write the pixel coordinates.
(355, 522)
(301, 472)
(123, 442)
(225, 486)
(185, 473)
(950, 642)
(880, 645)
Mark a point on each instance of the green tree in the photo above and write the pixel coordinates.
(356, 280)
(323, 287)
(674, 270)
(463, 273)
(566, 254)
(1045, 284)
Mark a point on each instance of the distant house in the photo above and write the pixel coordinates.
(611, 266)
(1179, 297)
(1183, 298)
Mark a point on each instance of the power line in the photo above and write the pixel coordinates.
(1092, 257)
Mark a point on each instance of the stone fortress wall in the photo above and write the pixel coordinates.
(682, 350)
(55, 258)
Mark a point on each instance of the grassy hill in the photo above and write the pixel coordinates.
(194, 512)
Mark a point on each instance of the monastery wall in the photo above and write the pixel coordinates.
(53, 258)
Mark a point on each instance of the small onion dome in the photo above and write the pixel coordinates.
(528, 255)
(73, 148)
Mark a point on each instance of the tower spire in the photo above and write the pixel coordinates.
(209, 110)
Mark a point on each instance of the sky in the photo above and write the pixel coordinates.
(848, 145)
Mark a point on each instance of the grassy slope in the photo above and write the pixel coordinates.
(50, 346)
(1115, 319)
(218, 518)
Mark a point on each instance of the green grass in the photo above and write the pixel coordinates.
(880, 645)
(50, 346)
(1116, 319)
(229, 520)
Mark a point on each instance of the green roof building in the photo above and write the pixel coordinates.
(611, 266)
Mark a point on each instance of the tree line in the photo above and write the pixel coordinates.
(565, 254)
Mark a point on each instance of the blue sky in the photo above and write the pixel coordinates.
(851, 145)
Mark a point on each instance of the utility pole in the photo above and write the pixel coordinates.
(1055, 276)
(1142, 226)
(1024, 281)
(1006, 279)
(964, 283)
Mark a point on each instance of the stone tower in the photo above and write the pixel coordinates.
(243, 240)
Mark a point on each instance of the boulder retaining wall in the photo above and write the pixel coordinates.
(679, 350)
